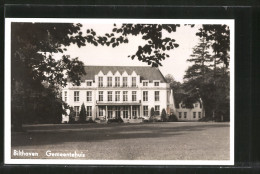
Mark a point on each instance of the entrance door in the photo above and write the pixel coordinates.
(117, 110)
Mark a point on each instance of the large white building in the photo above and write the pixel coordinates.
(128, 92)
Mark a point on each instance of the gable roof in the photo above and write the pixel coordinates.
(145, 72)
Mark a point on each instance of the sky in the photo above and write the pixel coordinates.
(175, 65)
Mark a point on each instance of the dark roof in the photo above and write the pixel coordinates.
(145, 72)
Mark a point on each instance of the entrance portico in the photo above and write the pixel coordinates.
(116, 110)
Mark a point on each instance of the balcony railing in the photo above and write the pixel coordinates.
(117, 102)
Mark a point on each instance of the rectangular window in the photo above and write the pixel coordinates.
(89, 83)
(109, 112)
(100, 96)
(100, 111)
(124, 81)
(109, 81)
(156, 83)
(196, 105)
(124, 95)
(89, 95)
(76, 96)
(134, 111)
(145, 83)
(117, 81)
(100, 81)
(65, 96)
(157, 95)
(133, 81)
(185, 114)
(157, 109)
(109, 95)
(194, 114)
(89, 110)
(145, 95)
(199, 114)
(125, 112)
(76, 110)
(133, 95)
(145, 110)
(180, 114)
(117, 98)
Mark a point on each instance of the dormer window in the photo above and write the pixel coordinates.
(196, 105)
(133, 81)
(156, 83)
(145, 83)
(124, 81)
(109, 81)
(117, 81)
(100, 81)
(89, 83)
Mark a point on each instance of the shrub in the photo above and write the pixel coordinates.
(82, 114)
(90, 120)
(163, 115)
(115, 120)
(172, 118)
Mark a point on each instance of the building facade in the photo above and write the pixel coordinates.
(190, 114)
(128, 92)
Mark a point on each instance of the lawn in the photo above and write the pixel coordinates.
(143, 141)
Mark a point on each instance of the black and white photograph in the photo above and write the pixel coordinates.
(119, 91)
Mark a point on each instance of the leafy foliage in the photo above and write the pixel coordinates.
(153, 52)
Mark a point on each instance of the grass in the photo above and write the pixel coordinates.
(143, 141)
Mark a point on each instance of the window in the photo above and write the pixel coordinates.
(109, 95)
(125, 112)
(185, 114)
(196, 105)
(117, 81)
(145, 83)
(89, 95)
(89, 83)
(76, 96)
(157, 95)
(133, 95)
(134, 111)
(156, 83)
(109, 112)
(76, 109)
(133, 81)
(124, 95)
(157, 109)
(145, 95)
(117, 98)
(180, 114)
(199, 113)
(145, 110)
(194, 114)
(100, 111)
(89, 111)
(109, 81)
(100, 81)
(124, 81)
(100, 96)
(65, 96)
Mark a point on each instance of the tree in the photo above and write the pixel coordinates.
(206, 81)
(163, 115)
(82, 114)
